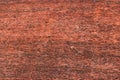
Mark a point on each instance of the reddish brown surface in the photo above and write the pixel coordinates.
(59, 39)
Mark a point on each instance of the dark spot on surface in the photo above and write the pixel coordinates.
(100, 79)
(88, 54)
(84, 70)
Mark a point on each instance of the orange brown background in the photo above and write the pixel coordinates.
(59, 39)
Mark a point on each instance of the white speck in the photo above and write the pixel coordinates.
(71, 47)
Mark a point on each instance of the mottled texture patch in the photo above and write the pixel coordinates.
(59, 39)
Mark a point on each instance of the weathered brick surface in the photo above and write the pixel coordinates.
(59, 39)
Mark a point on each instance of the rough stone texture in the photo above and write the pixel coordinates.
(59, 39)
